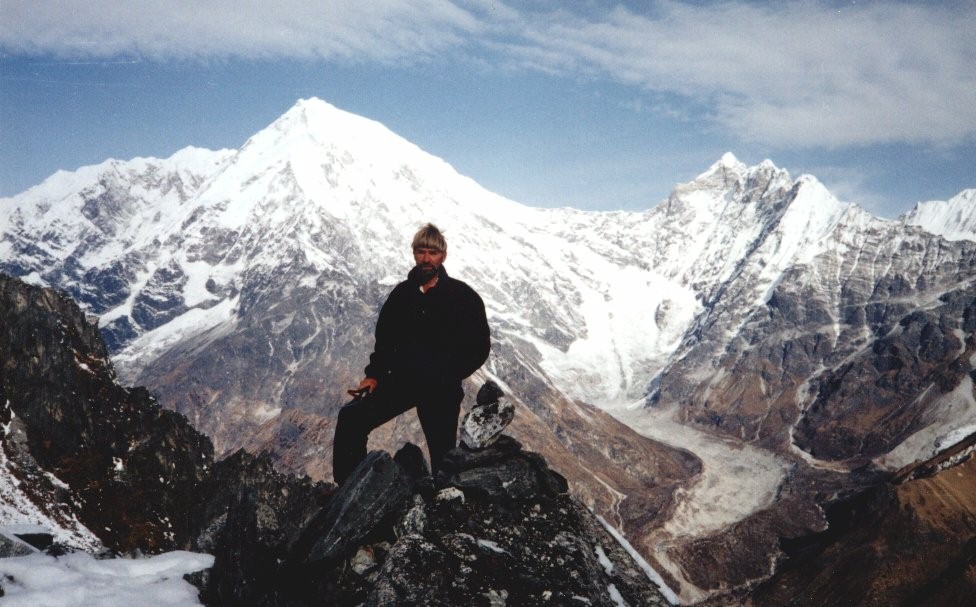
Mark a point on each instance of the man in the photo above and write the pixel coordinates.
(431, 334)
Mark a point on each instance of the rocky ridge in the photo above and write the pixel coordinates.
(908, 541)
(952, 219)
(95, 457)
(496, 527)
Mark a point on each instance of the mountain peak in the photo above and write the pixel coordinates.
(314, 112)
(728, 166)
(314, 103)
(953, 219)
(729, 171)
(729, 159)
(313, 130)
(327, 123)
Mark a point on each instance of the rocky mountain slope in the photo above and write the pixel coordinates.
(844, 346)
(762, 349)
(80, 451)
(106, 463)
(911, 541)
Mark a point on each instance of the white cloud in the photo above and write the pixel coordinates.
(379, 30)
(787, 74)
(795, 74)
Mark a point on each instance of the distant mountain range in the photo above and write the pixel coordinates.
(711, 374)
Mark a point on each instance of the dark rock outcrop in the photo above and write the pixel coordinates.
(496, 527)
(130, 466)
(375, 495)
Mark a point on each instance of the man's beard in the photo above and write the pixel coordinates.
(425, 272)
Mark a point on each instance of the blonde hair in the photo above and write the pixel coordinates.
(429, 237)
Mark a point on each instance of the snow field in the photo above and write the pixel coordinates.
(951, 419)
(80, 580)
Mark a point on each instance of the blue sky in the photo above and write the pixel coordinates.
(591, 104)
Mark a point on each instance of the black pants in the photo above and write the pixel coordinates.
(438, 407)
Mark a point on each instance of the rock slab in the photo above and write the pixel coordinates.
(488, 417)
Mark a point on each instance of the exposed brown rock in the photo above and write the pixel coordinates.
(905, 544)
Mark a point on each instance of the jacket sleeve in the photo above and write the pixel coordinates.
(475, 336)
(380, 361)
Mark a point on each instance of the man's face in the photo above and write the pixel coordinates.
(429, 259)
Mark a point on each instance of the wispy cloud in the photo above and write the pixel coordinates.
(787, 74)
(379, 30)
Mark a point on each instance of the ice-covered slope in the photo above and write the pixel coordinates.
(99, 213)
(954, 219)
(98, 232)
(20, 511)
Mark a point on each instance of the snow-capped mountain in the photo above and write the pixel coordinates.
(841, 344)
(96, 233)
(335, 198)
(783, 337)
(953, 219)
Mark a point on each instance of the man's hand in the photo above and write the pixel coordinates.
(365, 387)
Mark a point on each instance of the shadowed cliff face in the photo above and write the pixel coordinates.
(867, 407)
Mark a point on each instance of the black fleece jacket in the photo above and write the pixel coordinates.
(440, 336)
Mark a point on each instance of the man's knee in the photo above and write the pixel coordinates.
(363, 416)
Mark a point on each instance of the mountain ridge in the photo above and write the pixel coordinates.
(953, 219)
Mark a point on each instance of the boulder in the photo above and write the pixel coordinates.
(487, 418)
(376, 494)
(12, 547)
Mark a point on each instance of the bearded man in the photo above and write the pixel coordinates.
(431, 334)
